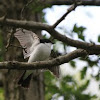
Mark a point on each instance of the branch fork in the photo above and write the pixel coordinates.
(86, 48)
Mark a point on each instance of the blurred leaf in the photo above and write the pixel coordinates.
(89, 61)
(48, 77)
(81, 37)
(73, 63)
(97, 77)
(84, 86)
(79, 31)
(99, 38)
(44, 36)
(75, 29)
(1, 94)
(67, 86)
(36, 6)
(83, 72)
(68, 78)
(52, 89)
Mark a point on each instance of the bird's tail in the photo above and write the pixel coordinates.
(25, 82)
(55, 71)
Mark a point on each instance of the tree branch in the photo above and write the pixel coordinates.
(52, 31)
(69, 2)
(43, 64)
(68, 11)
(10, 39)
(25, 7)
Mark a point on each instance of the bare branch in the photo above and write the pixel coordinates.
(25, 7)
(43, 64)
(23, 24)
(69, 2)
(10, 39)
(68, 11)
(40, 26)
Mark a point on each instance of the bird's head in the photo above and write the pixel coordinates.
(46, 41)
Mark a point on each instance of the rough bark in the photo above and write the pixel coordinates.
(12, 9)
(69, 2)
(12, 91)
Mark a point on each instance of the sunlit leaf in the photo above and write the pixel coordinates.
(84, 86)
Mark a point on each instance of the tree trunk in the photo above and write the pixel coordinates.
(12, 90)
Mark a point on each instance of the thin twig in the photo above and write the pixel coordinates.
(24, 8)
(57, 35)
(68, 11)
(10, 39)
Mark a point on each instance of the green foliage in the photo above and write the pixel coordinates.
(84, 86)
(90, 62)
(97, 77)
(1, 94)
(83, 72)
(73, 63)
(79, 31)
(38, 6)
(99, 38)
(50, 87)
(67, 87)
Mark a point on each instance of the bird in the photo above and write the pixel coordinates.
(35, 49)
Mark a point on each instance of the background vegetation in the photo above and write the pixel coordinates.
(67, 86)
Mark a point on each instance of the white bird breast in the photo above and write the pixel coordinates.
(41, 52)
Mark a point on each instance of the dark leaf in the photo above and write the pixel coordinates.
(73, 63)
(81, 37)
(78, 30)
(83, 72)
(99, 38)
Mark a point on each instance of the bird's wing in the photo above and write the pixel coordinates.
(27, 40)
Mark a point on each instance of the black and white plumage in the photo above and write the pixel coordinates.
(36, 49)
